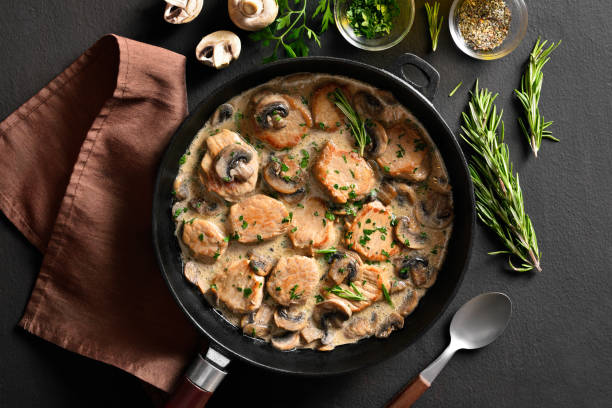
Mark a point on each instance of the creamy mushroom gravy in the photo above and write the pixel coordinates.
(262, 254)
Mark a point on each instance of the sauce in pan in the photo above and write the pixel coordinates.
(295, 237)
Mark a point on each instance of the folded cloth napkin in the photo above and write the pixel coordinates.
(78, 167)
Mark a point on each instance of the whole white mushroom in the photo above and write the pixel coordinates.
(182, 11)
(218, 49)
(252, 15)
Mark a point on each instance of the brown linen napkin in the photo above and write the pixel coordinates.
(78, 167)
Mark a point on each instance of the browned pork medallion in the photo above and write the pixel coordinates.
(291, 233)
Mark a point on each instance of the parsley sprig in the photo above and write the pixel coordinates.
(434, 25)
(291, 29)
(529, 95)
(499, 199)
(356, 123)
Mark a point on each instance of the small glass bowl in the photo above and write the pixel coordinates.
(401, 27)
(518, 28)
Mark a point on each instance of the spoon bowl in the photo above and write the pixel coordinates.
(481, 320)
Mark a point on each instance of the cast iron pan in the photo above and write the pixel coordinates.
(228, 340)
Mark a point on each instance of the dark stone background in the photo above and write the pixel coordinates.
(556, 350)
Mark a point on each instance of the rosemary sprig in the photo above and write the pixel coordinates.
(347, 293)
(356, 123)
(499, 199)
(529, 95)
(434, 25)
(290, 29)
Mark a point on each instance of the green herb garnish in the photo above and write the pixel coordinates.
(499, 199)
(346, 293)
(290, 29)
(372, 18)
(434, 25)
(386, 295)
(455, 89)
(529, 95)
(356, 123)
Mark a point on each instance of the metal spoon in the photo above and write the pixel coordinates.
(476, 324)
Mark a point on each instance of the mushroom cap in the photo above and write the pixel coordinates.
(252, 15)
(284, 175)
(407, 232)
(218, 49)
(436, 210)
(378, 138)
(233, 163)
(223, 113)
(336, 308)
(393, 322)
(291, 319)
(287, 341)
(182, 11)
(344, 265)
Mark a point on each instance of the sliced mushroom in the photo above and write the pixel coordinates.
(223, 113)
(378, 138)
(270, 111)
(284, 175)
(206, 206)
(257, 324)
(287, 341)
(181, 188)
(407, 191)
(232, 162)
(252, 15)
(408, 233)
(182, 11)
(361, 327)
(260, 264)
(394, 321)
(438, 181)
(417, 268)
(330, 313)
(310, 334)
(294, 197)
(290, 318)
(344, 265)
(386, 193)
(218, 49)
(435, 211)
(409, 302)
(368, 104)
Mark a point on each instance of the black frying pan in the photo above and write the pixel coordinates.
(227, 340)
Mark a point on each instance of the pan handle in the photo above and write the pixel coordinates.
(432, 75)
(200, 381)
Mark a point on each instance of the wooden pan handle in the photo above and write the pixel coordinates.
(188, 395)
(412, 392)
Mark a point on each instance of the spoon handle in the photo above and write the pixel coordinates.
(413, 391)
(410, 394)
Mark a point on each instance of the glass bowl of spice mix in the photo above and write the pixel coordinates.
(488, 29)
(374, 25)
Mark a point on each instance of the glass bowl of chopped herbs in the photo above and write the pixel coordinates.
(488, 29)
(374, 25)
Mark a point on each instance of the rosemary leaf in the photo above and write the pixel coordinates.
(356, 123)
(434, 25)
(529, 95)
(499, 199)
(455, 89)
